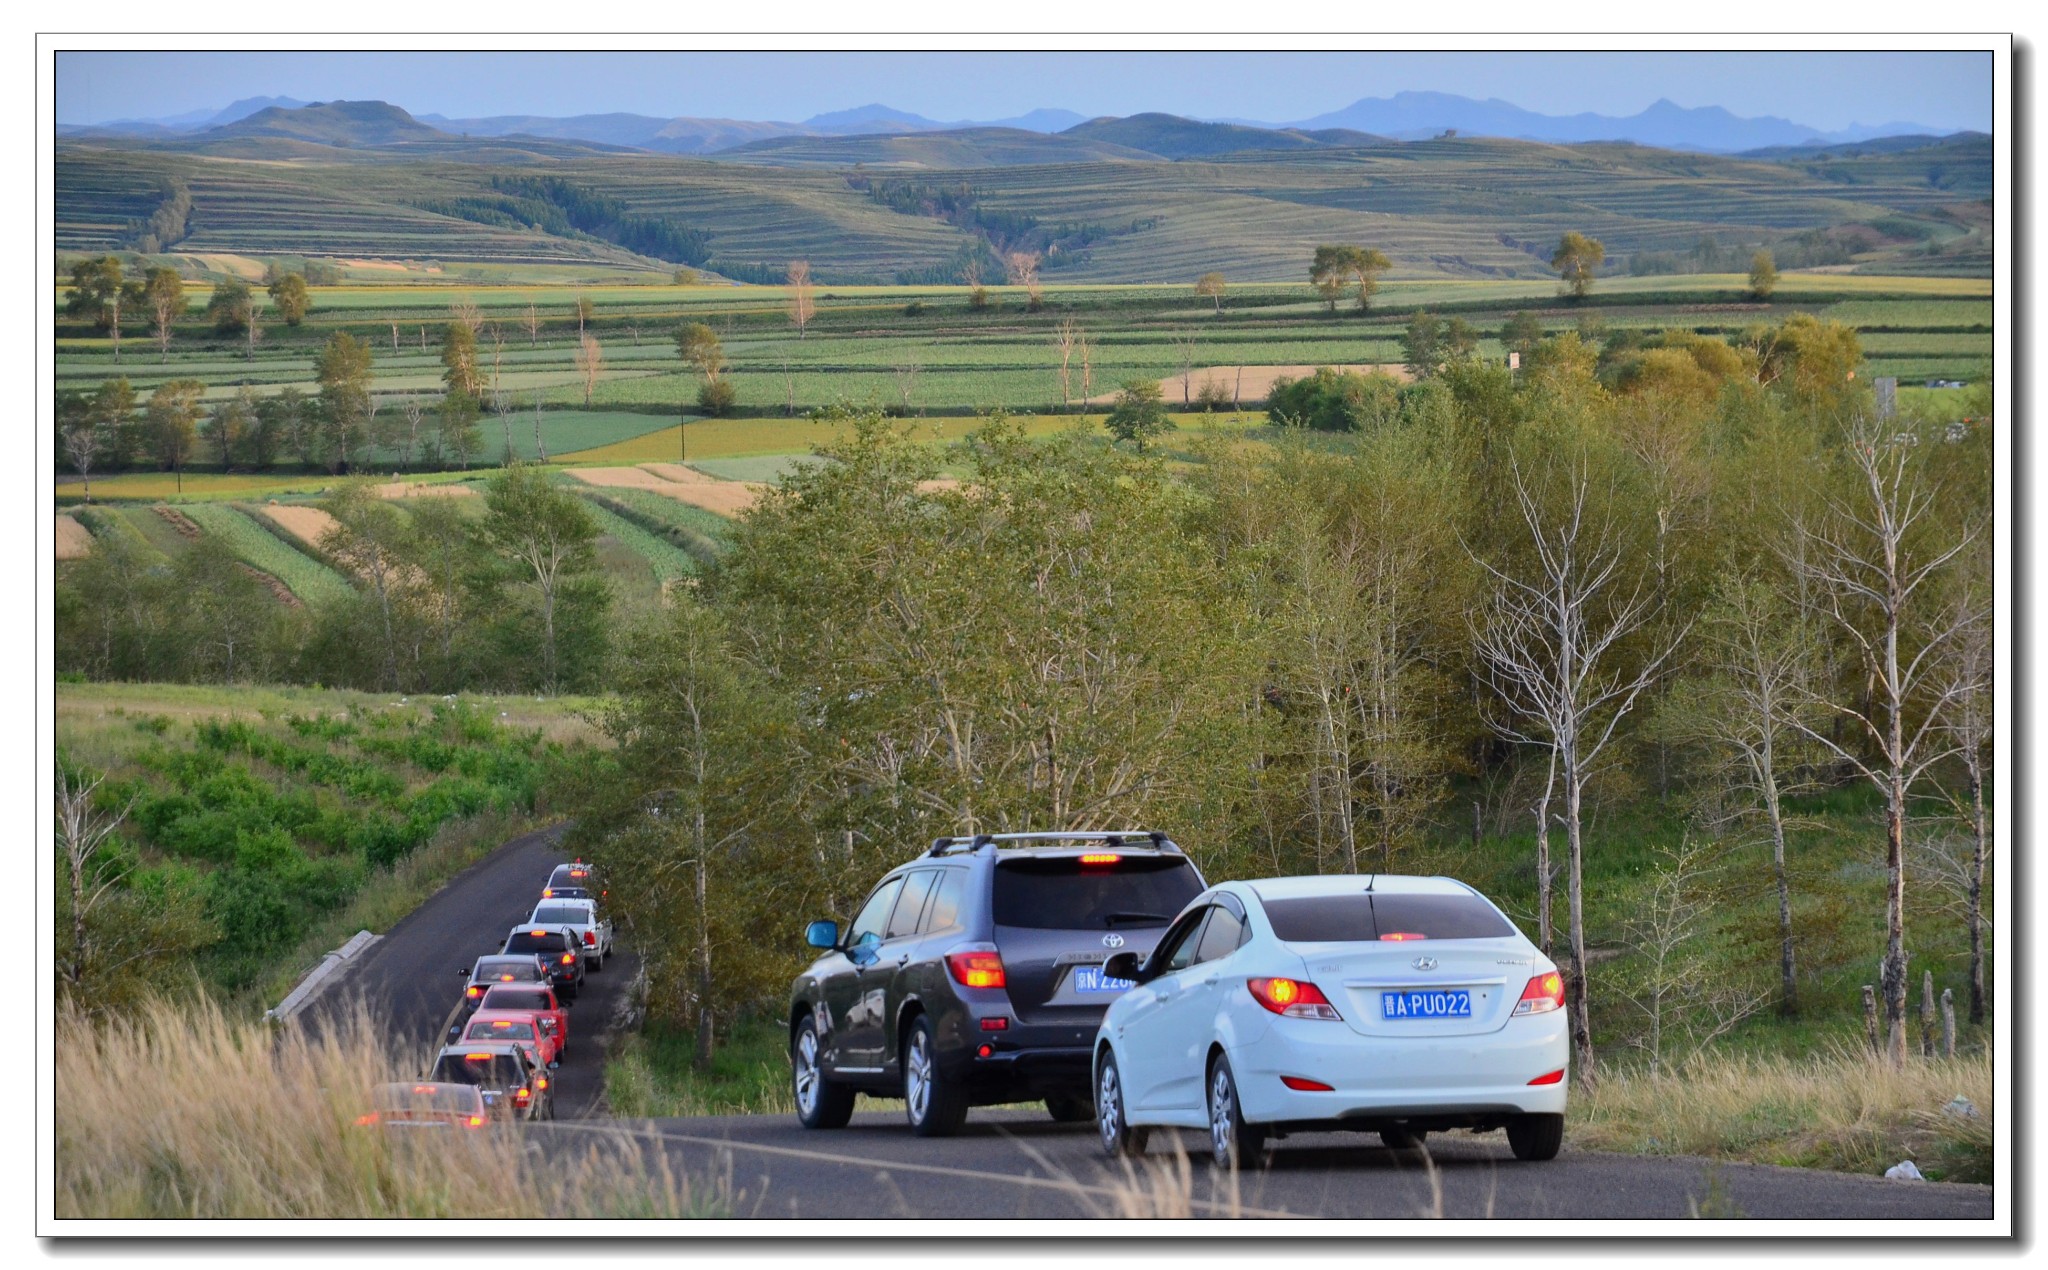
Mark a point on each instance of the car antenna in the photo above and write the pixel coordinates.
(1370, 878)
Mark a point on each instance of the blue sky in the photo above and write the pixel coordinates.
(1824, 90)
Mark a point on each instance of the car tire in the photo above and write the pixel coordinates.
(820, 1103)
(1404, 1139)
(935, 1106)
(1233, 1144)
(1068, 1109)
(1536, 1137)
(1120, 1138)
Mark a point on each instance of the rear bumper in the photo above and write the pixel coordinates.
(1026, 1062)
(1411, 1081)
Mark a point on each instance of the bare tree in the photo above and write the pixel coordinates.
(802, 308)
(1022, 270)
(81, 830)
(394, 339)
(1550, 645)
(1065, 337)
(1087, 351)
(415, 411)
(1184, 350)
(83, 442)
(1876, 556)
(251, 307)
(532, 326)
(1970, 724)
(540, 444)
(589, 363)
(466, 312)
(906, 381)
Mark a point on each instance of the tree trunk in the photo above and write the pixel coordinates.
(1948, 1023)
(1545, 935)
(1581, 1025)
(1870, 1018)
(704, 1036)
(1977, 900)
(1788, 984)
(1927, 1014)
(547, 611)
(1893, 977)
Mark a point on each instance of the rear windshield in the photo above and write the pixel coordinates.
(491, 1071)
(562, 915)
(427, 1097)
(570, 875)
(1365, 917)
(1065, 894)
(500, 1030)
(568, 893)
(509, 969)
(504, 998)
(526, 941)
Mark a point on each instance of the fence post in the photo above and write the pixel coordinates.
(1870, 1018)
(1927, 1014)
(1948, 1023)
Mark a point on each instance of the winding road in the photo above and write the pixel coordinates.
(1015, 1162)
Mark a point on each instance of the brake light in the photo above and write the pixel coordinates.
(1304, 1084)
(1550, 1078)
(475, 1058)
(1293, 999)
(522, 1096)
(475, 991)
(537, 932)
(543, 1082)
(977, 969)
(590, 939)
(501, 1023)
(1544, 994)
(995, 1025)
(568, 959)
(368, 1119)
(475, 1121)
(1399, 936)
(1100, 859)
(547, 892)
(985, 1051)
(423, 1089)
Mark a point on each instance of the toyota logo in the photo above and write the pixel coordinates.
(1112, 941)
(1424, 963)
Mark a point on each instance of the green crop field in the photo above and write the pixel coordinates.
(308, 579)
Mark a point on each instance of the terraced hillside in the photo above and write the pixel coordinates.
(1462, 207)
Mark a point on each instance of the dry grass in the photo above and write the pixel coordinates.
(424, 489)
(1255, 383)
(1844, 1110)
(74, 541)
(308, 524)
(183, 1111)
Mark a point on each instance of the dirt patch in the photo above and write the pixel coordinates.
(393, 265)
(307, 524)
(177, 520)
(727, 498)
(74, 541)
(942, 483)
(623, 478)
(424, 489)
(1257, 381)
(277, 587)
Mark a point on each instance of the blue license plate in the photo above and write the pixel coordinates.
(1452, 1003)
(1091, 979)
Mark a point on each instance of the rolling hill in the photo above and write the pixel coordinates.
(1172, 137)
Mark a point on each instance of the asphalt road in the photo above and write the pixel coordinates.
(409, 978)
(1015, 1162)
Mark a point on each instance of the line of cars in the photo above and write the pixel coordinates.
(1100, 973)
(510, 1030)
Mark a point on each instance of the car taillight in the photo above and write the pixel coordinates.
(590, 939)
(568, 958)
(1544, 994)
(543, 1082)
(977, 968)
(1549, 1078)
(476, 992)
(368, 1119)
(520, 1097)
(1304, 1084)
(1400, 936)
(474, 1121)
(1293, 999)
(547, 893)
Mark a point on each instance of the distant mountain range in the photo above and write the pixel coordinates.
(1369, 121)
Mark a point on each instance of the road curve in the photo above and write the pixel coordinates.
(1015, 1162)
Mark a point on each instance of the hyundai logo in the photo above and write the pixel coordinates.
(1112, 941)
(1424, 963)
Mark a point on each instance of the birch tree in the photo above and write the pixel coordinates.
(802, 308)
(1877, 556)
(549, 534)
(1552, 640)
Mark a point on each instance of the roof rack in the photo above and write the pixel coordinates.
(1108, 837)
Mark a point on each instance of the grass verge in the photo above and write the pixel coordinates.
(259, 1122)
(652, 1074)
(1844, 1110)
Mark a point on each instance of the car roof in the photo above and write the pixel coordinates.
(1349, 884)
(504, 958)
(515, 1048)
(590, 900)
(503, 1014)
(534, 928)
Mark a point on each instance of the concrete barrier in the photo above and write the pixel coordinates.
(330, 965)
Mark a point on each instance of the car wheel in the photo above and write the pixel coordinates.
(1068, 1109)
(1536, 1137)
(1119, 1136)
(1403, 1139)
(820, 1103)
(1232, 1142)
(936, 1109)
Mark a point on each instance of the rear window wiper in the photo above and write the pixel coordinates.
(1113, 918)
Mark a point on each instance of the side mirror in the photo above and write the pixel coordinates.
(547, 1025)
(464, 972)
(822, 934)
(1123, 965)
(552, 1065)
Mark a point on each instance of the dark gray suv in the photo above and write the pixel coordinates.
(972, 975)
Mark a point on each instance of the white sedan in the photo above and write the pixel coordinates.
(1377, 1002)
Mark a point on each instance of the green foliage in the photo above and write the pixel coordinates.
(1139, 413)
(716, 398)
(1335, 401)
(1577, 261)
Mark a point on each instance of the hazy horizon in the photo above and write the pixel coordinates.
(1824, 90)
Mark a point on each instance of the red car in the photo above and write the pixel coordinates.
(532, 998)
(427, 1105)
(518, 1027)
